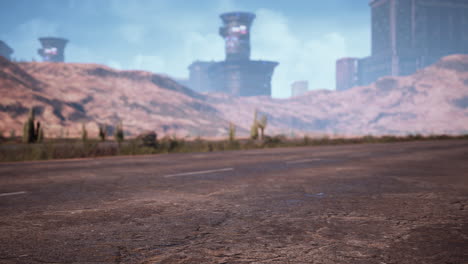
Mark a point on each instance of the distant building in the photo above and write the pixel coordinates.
(408, 35)
(5, 50)
(236, 34)
(52, 49)
(346, 73)
(199, 79)
(299, 88)
(237, 74)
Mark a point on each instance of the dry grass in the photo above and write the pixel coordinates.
(12, 150)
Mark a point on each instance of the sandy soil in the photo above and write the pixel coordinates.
(376, 203)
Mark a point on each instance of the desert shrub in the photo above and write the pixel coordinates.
(369, 138)
(441, 137)
(173, 144)
(119, 133)
(102, 132)
(415, 136)
(147, 139)
(274, 141)
(210, 147)
(322, 141)
(231, 145)
(136, 147)
(388, 138)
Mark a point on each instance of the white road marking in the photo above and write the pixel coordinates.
(12, 193)
(301, 161)
(198, 172)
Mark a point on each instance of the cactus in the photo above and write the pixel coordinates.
(84, 133)
(29, 131)
(25, 132)
(32, 133)
(262, 125)
(119, 133)
(37, 129)
(232, 132)
(254, 127)
(254, 131)
(40, 135)
(61, 133)
(102, 132)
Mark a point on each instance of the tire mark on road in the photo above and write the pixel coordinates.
(198, 172)
(302, 161)
(12, 193)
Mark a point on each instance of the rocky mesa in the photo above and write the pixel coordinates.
(434, 100)
(65, 95)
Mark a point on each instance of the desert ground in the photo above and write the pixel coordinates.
(369, 203)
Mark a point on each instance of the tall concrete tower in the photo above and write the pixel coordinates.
(52, 49)
(408, 35)
(236, 34)
(237, 74)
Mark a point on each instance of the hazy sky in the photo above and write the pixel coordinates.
(165, 36)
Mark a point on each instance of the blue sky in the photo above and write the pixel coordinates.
(165, 36)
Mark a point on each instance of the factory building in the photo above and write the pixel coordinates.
(52, 49)
(346, 73)
(408, 35)
(5, 50)
(299, 88)
(199, 79)
(237, 74)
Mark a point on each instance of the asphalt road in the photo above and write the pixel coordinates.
(369, 203)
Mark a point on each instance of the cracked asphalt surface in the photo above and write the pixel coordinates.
(369, 203)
